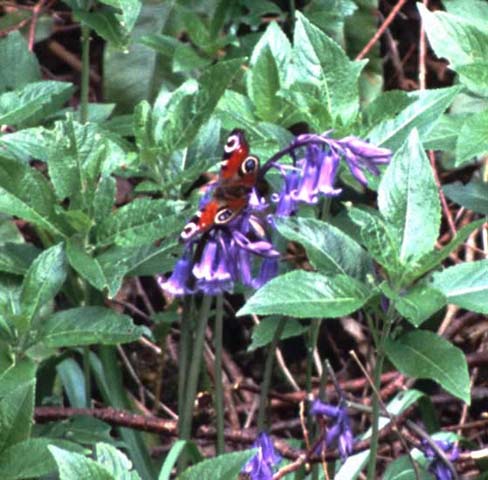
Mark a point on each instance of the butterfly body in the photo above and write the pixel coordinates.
(237, 177)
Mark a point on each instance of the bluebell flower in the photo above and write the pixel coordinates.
(437, 466)
(177, 284)
(339, 433)
(260, 466)
(285, 204)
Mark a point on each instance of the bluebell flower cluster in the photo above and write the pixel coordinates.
(339, 433)
(260, 466)
(438, 466)
(241, 251)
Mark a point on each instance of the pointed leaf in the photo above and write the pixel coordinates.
(423, 354)
(473, 138)
(465, 285)
(409, 201)
(305, 294)
(473, 195)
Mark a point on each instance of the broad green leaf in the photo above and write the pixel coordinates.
(73, 465)
(401, 469)
(444, 135)
(43, 281)
(417, 304)
(9, 233)
(141, 222)
(377, 238)
(29, 459)
(353, 466)
(223, 467)
(26, 144)
(386, 106)
(263, 333)
(19, 66)
(17, 386)
(263, 84)
(91, 270)
(129, 11)
(104, 198)
(424, 354)
(16, 257)
(176, 450)
(409, 201)
(321, 62)
(422, 114)
(454, 38)
(33, 102)
(237, 109)
(73, 381)
(306, 294)
(465, 285)
(473, 195)
(329, 250)
(473, 138)
(475, 77)
(433, 259)
(115, 462)
(135, 75)
(25, 193)
(475, 11)
(86, 326)
(191, 105)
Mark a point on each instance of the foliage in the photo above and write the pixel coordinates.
(89, 204)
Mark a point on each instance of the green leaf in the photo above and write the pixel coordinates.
(305, 294)
(444, 135)
(27, 459)
(43, 281)
(141, 222)
(409, 201)
(454, 38)
(422, 114)
(33, 102)
(129, 11)
(91, 270)
(135, 75)
(473, 138)
(329, 250)
(473, 195)
(432, 259)
(401, 469)
(86, 326)
(423, 354)
(176, 450)
(25, 193)
(191, 105)
(418, 304)
(377, 238)
(73, 381)
(263, 85)
(263, 333)
(386, 106)
(223, 467)
(17, 386)
(323, 63)
(17, 257)
(465, 285)
(104, 198)
(73, 465)
(19, 66)
(26, 144)
(106, 25)
(475, 77)
(115, 462)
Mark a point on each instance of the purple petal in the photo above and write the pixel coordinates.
(177, 283)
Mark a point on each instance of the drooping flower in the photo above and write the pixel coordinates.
(339, 433)
(177, 283)
(438, 466)
(260, 466)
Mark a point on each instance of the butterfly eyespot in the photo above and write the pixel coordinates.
(189, 231)
(232, 144)
(224, 215)
(250, 165)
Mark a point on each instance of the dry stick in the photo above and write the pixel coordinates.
(71, 59)
(422, 54)
(32, 27)
(381, 29)
(392, 418)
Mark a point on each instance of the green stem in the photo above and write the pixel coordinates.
(380, 357)
(85, 72)
(194, 372)
(268, 370)
(184, 356)
(87, 375)
(219, 390)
